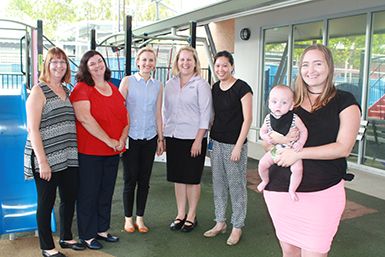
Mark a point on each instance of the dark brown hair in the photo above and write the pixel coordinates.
(225, 54)
(84, 75)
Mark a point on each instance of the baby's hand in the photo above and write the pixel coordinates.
(297, 147)
(270, 141)
(275, 138)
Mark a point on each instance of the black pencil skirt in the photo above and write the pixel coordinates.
(181, 167)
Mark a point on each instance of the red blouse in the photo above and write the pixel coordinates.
(110, 113)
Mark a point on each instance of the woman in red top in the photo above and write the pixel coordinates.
(102, 126)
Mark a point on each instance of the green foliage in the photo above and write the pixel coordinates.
(57, 12)
(93, 10)
(51, 12)
(146, 11)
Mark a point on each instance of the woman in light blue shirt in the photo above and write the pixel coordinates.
(143, 96)
(187, 112)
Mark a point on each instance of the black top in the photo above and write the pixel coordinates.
(322, 126)
(228, 117)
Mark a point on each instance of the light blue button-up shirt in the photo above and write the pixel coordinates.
(186, 109)
(141, 105)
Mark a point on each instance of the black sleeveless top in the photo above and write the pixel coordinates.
(58, 134)
(322, 126)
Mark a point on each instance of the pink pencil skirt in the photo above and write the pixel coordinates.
(311, 222)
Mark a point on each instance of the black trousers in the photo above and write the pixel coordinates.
(97, 177)
(137, 163)
(67, 182)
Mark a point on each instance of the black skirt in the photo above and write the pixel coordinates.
(181, 167)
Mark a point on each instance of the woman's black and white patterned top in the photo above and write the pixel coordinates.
(58, 133)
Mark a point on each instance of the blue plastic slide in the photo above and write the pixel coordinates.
(18, 199)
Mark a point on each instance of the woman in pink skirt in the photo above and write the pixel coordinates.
(305, 228)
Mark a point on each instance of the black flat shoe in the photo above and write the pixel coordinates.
(189, 225)
(177, 224)
(93, 245)
(109, 238)
(45, 254)
(74, 246)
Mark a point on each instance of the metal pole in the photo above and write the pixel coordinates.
(364, 81)
(193, 34)
(157, 10)
(127, 44)
(213, 49)
(119, 15)
(39, 46)
(27, 57)
(39, 33)
(93, 39)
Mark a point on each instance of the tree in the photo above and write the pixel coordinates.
(58, 12)
(145, 11)
(52, 12)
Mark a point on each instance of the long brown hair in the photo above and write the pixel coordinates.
(301, 88)
(45, 74)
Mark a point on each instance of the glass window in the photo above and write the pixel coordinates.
(346, 39)
(375, 134)
(347, 44)
(274, 61)
(304, 35)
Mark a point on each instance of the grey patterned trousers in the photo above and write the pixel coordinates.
(229, 177)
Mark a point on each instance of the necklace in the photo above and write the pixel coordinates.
(226, 85)
(310, 101)
(313, 93)
(59, 91)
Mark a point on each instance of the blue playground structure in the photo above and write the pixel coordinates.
(18, 200)
(18, 197)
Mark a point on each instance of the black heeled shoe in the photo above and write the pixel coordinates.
(74, 246)
(109, 238)
(58, 254)
(177, 224)
(189, 225)
(93, 245)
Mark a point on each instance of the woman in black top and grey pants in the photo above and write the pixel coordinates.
(232, 100)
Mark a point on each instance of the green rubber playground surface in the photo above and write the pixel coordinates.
(361, 233)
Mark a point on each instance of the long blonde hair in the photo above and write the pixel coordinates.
(197, 69)
(301, 88)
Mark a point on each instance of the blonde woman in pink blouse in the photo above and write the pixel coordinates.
(187, 111)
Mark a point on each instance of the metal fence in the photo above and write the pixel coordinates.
(11, 80)
(14, 80)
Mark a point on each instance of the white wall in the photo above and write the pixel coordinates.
(247, 53)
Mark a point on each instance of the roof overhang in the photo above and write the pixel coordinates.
(216, 12)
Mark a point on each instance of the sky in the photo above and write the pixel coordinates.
(187, 5)
(190, 5)
(179, 5)
(3, 4)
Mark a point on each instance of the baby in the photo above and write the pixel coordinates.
(280, 120)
